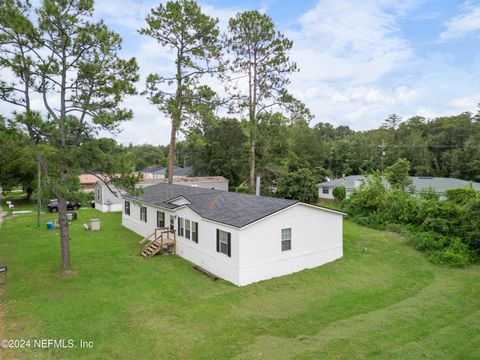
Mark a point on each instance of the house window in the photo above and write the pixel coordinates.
(224, 242)
(187, 229)
(181, 229)
(195, 231)
(172, 222)
(286, 239)
(99, 194)
(160, 219)
(143, 213)
(326, 190)
(127, 207)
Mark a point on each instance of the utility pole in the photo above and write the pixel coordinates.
(39, 195)
(382, 147)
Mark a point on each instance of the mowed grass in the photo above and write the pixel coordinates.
(383, 300)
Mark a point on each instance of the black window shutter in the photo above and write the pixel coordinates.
(229, 244)
(178, 230)
(218, 240)
(196, 232)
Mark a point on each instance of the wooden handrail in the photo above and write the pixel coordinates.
(163, 230)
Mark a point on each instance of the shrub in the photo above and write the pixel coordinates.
(429, 241)
(455, 255)
(460, 196)
(428, 194)
(340, 193)
(375, 221)
(447, 231)
(470, 229)
(400, 207)
(441, 226)
(368, 198)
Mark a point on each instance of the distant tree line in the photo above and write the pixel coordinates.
(444, 146)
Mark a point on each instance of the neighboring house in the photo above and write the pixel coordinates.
(88, 181)
(158, 172)
(439, 184)
(109, 198)
(205, 182)
(239, 237)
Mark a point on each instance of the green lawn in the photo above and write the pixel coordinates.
(20, 201)
(383, 300)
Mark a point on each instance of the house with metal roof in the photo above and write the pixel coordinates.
(239, 237)
(438, 184)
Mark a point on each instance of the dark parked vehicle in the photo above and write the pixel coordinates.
(71, 205)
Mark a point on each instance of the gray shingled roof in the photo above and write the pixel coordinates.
(236, 209)
(439, 184)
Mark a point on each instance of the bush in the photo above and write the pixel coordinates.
(429, 241)
(340, 193)
(367, 199)
(400, 208)
(448, 232)
(455, 255)
(440, 226)
(460, 196)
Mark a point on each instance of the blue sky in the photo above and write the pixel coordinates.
(359, 60)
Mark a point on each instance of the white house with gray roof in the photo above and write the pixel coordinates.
(439, 184)
(239, 237)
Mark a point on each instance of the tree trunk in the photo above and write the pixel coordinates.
(39, 194)
(171, 153)
(252, 164)
(64, 238)
(252, 79)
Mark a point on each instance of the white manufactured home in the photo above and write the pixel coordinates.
(239, 237)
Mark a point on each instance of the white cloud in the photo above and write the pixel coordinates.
(467, 22)
(348, 40)
(468, 102)
(343, 49)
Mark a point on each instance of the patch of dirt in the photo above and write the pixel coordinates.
(66, 273)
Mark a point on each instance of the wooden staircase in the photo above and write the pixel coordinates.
(161, 241)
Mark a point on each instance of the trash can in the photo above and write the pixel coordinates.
(50, 225)
(69, 216)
